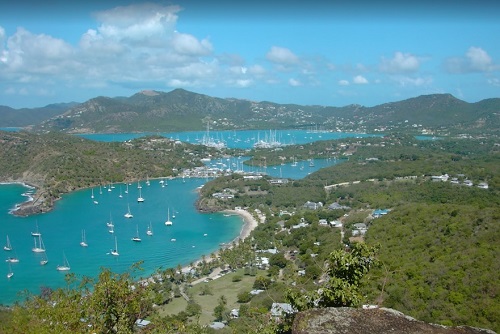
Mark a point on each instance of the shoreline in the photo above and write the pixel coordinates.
(249, 224)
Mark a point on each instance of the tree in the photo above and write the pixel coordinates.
(112, 306)
(220, 311)
(344, 271)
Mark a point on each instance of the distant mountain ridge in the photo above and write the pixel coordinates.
(182, 110)
(10, 117)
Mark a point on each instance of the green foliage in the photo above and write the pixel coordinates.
(440, 263)
(112, 306)
(342, 287)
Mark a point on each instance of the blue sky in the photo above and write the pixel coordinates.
(304, 52)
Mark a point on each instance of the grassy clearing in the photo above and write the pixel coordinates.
(221, 286)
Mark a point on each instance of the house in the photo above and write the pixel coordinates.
(313, 206)
(142, 323)
(442, 178)
(278, 181)
(359, 229)
(235, 313)
(468, 183)
(379, 213)
(323, 222)
(483, 185)
(217, 325)
(337, 206)
(280, 309)
(336, 223)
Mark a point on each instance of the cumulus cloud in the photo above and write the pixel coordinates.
(188, 45)
(475, 60)
(282, 56)
(294, 82)
(343, 83)
(360, 80)
(400, 63)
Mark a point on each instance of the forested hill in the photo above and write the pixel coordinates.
(182, 110)
(10, 117)
(57, 163)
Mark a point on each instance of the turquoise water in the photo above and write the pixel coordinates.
(286, 170)
(238, 139)
(62, 228)
(196, 234)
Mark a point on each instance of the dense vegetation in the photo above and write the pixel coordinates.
(434, 256)
(57, 163)
(181, 110)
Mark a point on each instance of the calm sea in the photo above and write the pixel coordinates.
(244, 139)
(195, 234)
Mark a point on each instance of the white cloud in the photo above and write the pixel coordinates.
(188, 45)
(282, 56)
(405, 81)
(479, 59)
(475, 60)
(400, 63)
(257, 70)
(294, 82)
(494, 82)
(360, 80)
(343, 83)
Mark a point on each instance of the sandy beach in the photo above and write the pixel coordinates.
(250, 223)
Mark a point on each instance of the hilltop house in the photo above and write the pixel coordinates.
(337, 206)
(313, 206)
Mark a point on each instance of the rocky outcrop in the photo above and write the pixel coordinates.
(345, 320)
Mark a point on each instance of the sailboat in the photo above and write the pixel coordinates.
(136, 238)
(44, 260)
(36, 233)
(8, 246)
(168, 222)
(65, 266)
(120, 193)
(128, 214)
(140, 199)
(114, 252)
(139, 185)
(147, 180)
(92, 196)
(83, 243)
(110, 223)
(38, 248)
(150, 230)
(10, 273)
(126, 190)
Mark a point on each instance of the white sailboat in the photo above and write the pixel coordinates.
(36, 233)
(44, 259)
(136, 238)
(147, 180)
(168, 222)
(150, 229)
(120, 193)
(128, 214)
(12, 259)
(65, 266)
(139, 185)
(83, 243)
(38, 248)
(92, 196)
(126, 190)
(8, 246)
(10, 273)
(110, 223)
(140, 199)
(114, 252)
